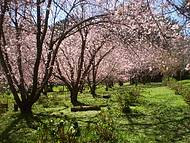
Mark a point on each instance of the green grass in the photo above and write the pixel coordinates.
(160, 116)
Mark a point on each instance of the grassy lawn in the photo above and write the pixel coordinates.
(158, 116)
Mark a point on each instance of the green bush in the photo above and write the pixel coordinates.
(133, 95)
(105, 128)
(186, 94)
(63, 131)
(178, 88)
(173, 84)
(101, 130)
(184, 91)
(129, 97)
(169, 81)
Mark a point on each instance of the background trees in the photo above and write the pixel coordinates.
(149, 39)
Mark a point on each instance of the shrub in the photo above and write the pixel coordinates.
(186, 94)
(134, 94)
(63, 131)
(178, 88)
(105, 128)
(129, 97)
(169, 81)
(173, 84)
(101, 130)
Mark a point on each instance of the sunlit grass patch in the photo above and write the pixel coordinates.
(159, 116)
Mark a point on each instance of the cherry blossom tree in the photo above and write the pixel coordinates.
(102, 66)
(93, 77)
(77, 57)
(30, 40)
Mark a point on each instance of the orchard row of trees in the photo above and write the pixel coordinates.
(74, 42)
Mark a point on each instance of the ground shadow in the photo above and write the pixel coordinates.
(10, 128)
(17, 128)
(162, 124)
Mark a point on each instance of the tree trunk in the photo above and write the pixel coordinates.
(106, 87)
(81, 88)
(50, 87)
(93, 90)
(120, 83)
(45, 90)
(26, 108)
(74, 94)
(26, 113)
(74, 100)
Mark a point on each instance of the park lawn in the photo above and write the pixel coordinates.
(159, 116)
